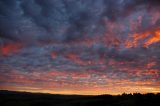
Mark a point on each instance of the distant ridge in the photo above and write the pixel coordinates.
(18, 98)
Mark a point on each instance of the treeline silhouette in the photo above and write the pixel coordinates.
(13, 98)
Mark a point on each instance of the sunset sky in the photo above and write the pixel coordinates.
(85, 47)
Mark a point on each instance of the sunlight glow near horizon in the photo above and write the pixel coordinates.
(90, 91)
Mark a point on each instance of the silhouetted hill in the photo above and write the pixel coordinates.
(12, 98)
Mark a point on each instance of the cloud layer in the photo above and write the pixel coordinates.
(60, 45)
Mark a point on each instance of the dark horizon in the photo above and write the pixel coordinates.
(8, 98)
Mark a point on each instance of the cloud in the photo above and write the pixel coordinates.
(93, 42)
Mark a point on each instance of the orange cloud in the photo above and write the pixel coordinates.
(144, 38)
(10, 48)
(155, 38)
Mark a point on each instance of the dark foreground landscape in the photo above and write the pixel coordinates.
(12, 98)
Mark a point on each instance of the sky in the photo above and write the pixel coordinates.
(85, 47)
